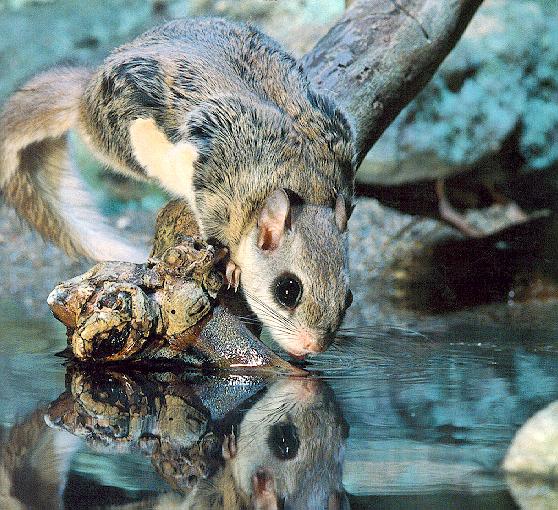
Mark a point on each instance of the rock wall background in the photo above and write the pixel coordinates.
(494, 98)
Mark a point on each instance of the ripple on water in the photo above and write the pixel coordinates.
(427, 412)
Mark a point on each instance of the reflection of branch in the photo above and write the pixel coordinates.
(381, 53)
(165, 415)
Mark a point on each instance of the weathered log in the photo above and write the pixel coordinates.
(381, 53)
(174, 222)
(114, 310)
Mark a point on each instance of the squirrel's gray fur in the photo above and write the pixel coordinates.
(255, 122)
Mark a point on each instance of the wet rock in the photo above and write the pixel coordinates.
(169, 309)
(531, 462)
(534, 449)
(532, 494)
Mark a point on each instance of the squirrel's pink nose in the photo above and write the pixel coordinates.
(312, 347)
(304, 342)
(309, 341)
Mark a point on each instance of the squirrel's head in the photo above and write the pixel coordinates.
(295, 271)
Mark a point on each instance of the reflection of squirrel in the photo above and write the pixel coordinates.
(218, 114)
(289, 449)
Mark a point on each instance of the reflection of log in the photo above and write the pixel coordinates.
(165, 415)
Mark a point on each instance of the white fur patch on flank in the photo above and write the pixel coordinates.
(171, 164)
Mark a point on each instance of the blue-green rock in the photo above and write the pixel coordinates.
(501, 79)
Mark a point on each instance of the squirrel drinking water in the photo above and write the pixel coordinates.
(217, 113)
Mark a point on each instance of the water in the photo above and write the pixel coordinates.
(388, 419)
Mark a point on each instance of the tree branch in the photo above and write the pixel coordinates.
(381, 53)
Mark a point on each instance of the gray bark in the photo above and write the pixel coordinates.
(381, 53)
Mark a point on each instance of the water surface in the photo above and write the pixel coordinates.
(389, 418)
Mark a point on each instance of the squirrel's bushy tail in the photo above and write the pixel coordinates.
(37, 174)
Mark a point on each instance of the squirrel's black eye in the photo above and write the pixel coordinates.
(287, 290)
(283, 441)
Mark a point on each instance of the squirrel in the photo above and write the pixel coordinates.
(217, 113)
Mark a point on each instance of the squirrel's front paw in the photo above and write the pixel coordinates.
(229, 446)
(232, 274)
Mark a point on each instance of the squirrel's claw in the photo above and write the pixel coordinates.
(264, 494)
(232, 274)
(229, 446)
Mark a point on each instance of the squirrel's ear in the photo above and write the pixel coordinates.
(341, 213)
(274, 218)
